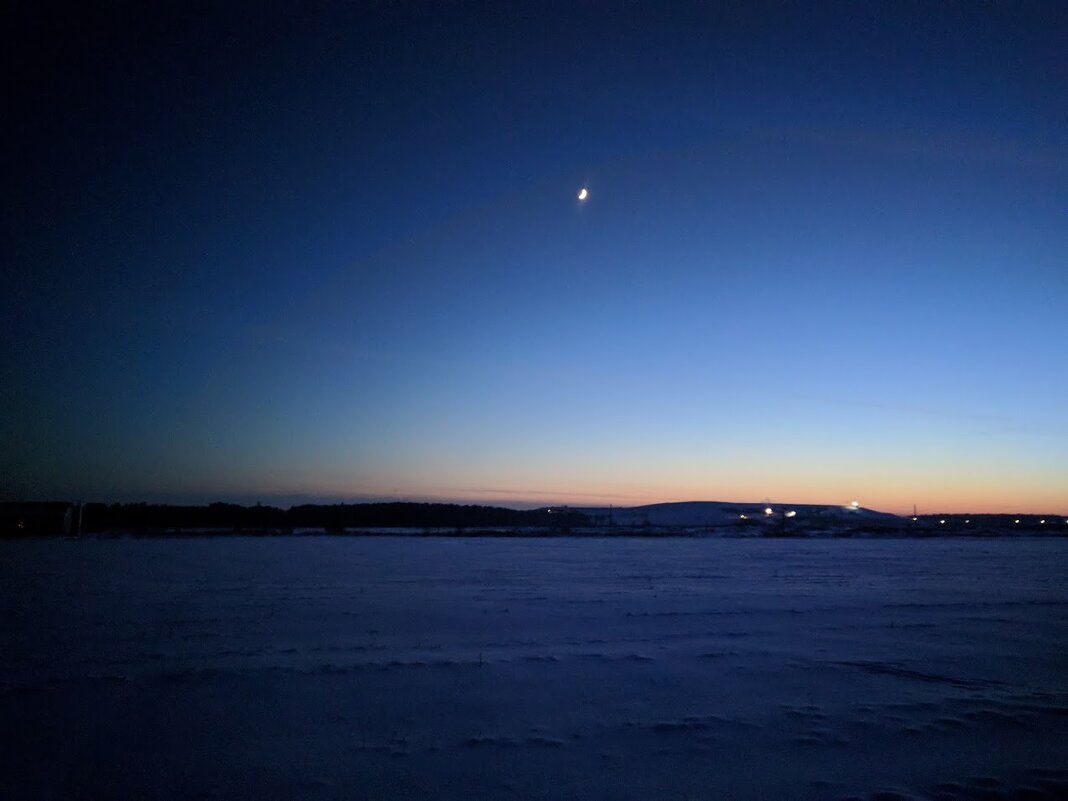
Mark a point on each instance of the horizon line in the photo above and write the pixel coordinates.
(291, 500)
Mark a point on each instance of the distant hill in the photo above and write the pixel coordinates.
(721, 513)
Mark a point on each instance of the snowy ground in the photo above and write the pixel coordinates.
(511, 668)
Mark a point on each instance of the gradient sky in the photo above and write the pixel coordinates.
(337, 254)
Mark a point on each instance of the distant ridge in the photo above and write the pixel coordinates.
(720, 513)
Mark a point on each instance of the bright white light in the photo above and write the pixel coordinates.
(744, 517)
(1017, 521)
(583, 193)
(791, 513)
(967, 521)
(943, 522)
(768, 511)
(855, 504)
(1042, 521)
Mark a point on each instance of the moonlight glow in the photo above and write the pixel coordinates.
(583, 193)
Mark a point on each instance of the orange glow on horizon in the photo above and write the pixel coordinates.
(952, 503)
(888, 492)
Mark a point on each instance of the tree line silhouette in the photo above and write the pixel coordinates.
(29, 519)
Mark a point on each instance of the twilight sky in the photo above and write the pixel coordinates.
(337, 254)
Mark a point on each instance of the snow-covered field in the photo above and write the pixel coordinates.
(510, 668)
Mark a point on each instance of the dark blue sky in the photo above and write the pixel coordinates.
(335, 250)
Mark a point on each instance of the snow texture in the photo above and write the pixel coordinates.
(330, 668)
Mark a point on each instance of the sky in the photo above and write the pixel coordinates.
(320, 251)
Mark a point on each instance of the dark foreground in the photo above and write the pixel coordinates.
(323, 667)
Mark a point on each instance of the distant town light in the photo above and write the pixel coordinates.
(791, 513)
(855, 504)
(943, 522)
(967, 521)
(768, 511)
(1017, 520)
(1042, 521)
(915, 519)
(744, 517)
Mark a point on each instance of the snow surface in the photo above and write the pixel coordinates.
(324, 667)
